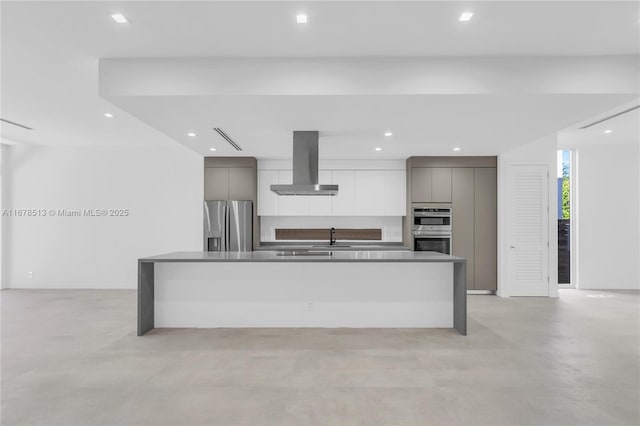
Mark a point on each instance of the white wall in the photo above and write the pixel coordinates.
(608, 230)
(3, 251)
(162, 188)
(540, 152)
(357, 76)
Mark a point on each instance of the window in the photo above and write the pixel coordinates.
(564, 217)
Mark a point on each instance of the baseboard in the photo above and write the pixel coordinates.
(71, 286)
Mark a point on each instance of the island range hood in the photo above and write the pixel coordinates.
(305, 168)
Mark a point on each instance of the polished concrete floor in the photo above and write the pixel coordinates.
(73, 358)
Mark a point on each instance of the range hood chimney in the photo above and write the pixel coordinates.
(305, 168)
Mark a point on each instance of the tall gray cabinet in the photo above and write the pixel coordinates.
(469, 185)
(463, 218)
(233, 178)
(431, 185)
(485, 229)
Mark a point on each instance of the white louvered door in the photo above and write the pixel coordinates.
(528, 225)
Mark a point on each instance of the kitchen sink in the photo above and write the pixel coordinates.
(304, 253)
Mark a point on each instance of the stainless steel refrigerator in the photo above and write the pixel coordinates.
(228, 226)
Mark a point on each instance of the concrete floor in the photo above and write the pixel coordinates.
(72, 358)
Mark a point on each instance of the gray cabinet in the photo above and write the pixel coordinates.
(431, 185)
(421, 184)
(441, 185)
(470, 185)
(485, 229)
(242, 183)
(463, 218)
(216, 183)
(474, 224)
(229, 183)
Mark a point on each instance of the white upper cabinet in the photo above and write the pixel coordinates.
(395, 193)
(291, 205)
(360, 193)
(267, 199)
(370, 198)
(344, 203)
(321, 205)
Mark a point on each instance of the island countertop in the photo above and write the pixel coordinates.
(273, 256)
(433, 284)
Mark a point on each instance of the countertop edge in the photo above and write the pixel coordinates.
(307, 259)
(304, 259)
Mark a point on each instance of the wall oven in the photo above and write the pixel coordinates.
(432, 228)
(428, 243)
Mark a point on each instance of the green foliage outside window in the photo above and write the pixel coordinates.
(566, 193)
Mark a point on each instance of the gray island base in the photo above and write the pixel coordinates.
(449, 287)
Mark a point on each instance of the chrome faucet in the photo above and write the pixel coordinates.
(332, 237)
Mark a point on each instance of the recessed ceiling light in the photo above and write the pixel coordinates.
(120, 18)
(378, 149)
(456, 149)
(388, 134)
(466, 16)
(108, 115)
(608, 131)
(212, 149)
(191, 135)
(302, 18)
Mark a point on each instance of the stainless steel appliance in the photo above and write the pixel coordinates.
(432, 243)
(305, 168)
(432, 228)
(228, 225)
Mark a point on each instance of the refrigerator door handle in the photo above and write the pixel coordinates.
(226, 228)
(206, 226)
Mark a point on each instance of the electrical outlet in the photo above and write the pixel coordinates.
(30, 275)
(310, 306)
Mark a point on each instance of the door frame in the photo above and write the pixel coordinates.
(575, 277)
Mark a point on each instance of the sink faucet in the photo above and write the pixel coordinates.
(332, 237)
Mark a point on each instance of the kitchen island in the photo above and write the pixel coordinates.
(323, 289)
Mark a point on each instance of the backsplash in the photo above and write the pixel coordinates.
(391, 226)
(318, 234)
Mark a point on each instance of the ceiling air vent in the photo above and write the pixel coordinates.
(602, 120)
(15, 124)
(227, 138)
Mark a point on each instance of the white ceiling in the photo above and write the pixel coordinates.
(353, 126)
(50, 53)
(374, 28)
(621, 130)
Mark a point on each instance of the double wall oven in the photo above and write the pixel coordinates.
(432, 227)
